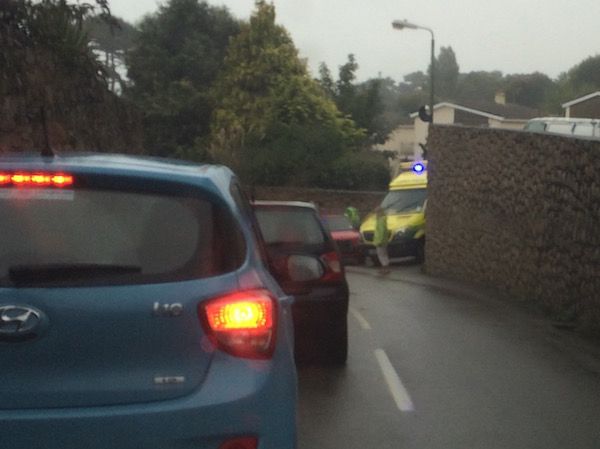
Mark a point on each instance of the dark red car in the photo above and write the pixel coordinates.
(297, 241)
(346, 237)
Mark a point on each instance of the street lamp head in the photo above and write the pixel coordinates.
(402, 24)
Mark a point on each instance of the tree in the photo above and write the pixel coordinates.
(114, 40)
(362, 102)
(479, 86)
(54, 26)
(398, 101)
(446, 73)
(176, 58)
(326, 80)
(417, 81)
(530, 90)
(346, 91)
(586, 74)
(275, 124)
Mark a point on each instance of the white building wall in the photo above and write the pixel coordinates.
(402, 142)
(442, 116)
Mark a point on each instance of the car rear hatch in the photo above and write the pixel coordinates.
(292, 230)
(99, 291)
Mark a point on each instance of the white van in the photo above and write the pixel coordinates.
(574, 127)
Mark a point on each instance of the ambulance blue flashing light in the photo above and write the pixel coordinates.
(418, 168)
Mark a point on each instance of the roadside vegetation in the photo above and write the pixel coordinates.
(210, 87)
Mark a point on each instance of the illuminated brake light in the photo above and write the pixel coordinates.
(241, 323)
(62, 180)
(239, 315)
(40, 180)
(20, 179)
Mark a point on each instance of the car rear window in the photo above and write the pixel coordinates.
(89, 237)
(338, 223)
(289, 225)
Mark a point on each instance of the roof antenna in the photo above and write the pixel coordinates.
(46, 150)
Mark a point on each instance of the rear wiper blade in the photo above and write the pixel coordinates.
(48, 273)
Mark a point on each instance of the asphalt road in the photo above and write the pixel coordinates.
(434, 365)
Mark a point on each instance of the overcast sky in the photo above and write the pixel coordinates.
(514, 36)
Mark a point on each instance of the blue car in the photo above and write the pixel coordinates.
(137, 311)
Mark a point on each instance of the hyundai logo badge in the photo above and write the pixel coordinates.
(19, 323)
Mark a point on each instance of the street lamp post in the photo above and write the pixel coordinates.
(402, 24)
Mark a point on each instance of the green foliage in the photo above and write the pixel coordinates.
(326, 80)
(176, 58)
(274, 124)
(114, 36)
(479, 86)
(446, 74)
(580, 80)
(291, 154)
(417, 81)
(54, 26)
(365, 170)
(585, 76)
(113, 39)
(362, 102)
(346, 91)
(530, 90)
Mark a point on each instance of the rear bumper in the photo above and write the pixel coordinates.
(322, 304)
(316, 317)
(254, 398)
(396, 248)
(350, 251)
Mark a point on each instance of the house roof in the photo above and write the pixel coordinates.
(491, 110)
(459, 107)
(507, 111)
(581, 99)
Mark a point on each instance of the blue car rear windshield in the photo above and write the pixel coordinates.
(91, 237)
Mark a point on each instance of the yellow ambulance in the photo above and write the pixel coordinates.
(404, 206)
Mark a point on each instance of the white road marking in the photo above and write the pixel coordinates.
(394, 383)
(361, 319)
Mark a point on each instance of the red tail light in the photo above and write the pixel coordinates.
(242, 324)
(20, 179)
(333, 266)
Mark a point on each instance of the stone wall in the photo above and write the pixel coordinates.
(520, 212)
(329, 201)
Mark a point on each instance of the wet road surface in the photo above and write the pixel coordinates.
(434, 364)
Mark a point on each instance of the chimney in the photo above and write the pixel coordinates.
(500, 97)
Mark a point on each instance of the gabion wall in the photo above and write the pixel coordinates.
(520, 212)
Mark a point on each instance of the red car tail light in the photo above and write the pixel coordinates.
(20, 179)
(242, 323)
(333, 265)
(240, 443)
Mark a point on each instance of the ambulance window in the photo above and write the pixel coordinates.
(404, 200)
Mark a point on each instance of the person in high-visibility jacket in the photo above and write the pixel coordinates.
(351, 214)
(381, 239)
